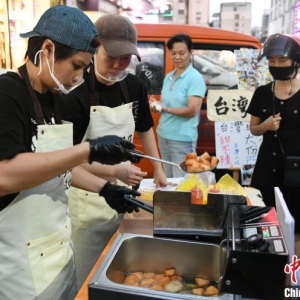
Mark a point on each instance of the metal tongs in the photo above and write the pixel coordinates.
(141, 154)
(139, 203)
(182, 165)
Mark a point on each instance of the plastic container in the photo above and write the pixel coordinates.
(197, 196)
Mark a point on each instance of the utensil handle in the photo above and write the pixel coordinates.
(140, 154)
(140, 204)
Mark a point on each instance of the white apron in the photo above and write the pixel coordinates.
(93, 220)
(36, 254)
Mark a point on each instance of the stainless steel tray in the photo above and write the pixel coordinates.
(131, 252)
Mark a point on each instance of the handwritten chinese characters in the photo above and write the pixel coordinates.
(228, 105)
(235, 145)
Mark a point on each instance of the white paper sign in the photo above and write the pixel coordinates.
(235, 145)
(230, 105)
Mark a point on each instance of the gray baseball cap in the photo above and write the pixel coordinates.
(118, 35)
(66, 25)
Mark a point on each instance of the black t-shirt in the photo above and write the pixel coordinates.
(78, 103)
(18, 125)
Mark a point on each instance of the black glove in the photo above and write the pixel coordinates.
(114, 196)
(111, 150)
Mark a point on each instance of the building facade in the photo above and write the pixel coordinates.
(284, 17)
(236, 16)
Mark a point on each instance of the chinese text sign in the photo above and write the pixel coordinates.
(235, 145)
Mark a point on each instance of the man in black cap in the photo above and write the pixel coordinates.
(111, 101)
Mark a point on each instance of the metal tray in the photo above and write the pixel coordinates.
(131, 252)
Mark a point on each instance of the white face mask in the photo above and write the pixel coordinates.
(109, 77)
(60, 85)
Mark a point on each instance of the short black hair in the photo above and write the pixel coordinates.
(61, 51)
(180, 38)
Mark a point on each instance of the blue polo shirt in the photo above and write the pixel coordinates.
(175, 94)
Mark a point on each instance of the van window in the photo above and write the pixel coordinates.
(151, 70)
(218, 68)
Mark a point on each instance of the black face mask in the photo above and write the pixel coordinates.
(282, 73)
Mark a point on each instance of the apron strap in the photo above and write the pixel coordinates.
(37, 106)
(94, 94)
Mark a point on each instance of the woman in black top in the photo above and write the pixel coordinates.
(275, 114)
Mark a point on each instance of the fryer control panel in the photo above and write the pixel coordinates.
(270, 233)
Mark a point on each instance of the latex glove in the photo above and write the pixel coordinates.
(114, 196)
(110, 150)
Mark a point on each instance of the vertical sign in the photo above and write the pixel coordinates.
(297, 20)
(235, 145)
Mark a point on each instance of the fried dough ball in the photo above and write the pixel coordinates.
(190, 162)
(201, 281)
(158, 276)
(210, 291)
(148, 275)
(156, 287)
(176, 277)
(204, 161)
(147, 282)
(205, 156)
(131, 280)
(174, 286)
(195, 167)
(192, 156)
(139, 275)
(170, 272)
(214, 161)
(164, 281)
(198, 291)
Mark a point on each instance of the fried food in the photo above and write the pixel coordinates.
(170, 272)
(164, 281)
(158, 276)
(139, 275)
(149, 275)
(192, 156)
(131, 280)
(174, 286)
(147, 282)
(170, 281)
(214, 161)
(156, 287)
(189, 162)
(205, 156)
(176, 277)
(198, 291)
(201, 281)
(204, 161)
(195, 164)
(210, 291)
(194, 168)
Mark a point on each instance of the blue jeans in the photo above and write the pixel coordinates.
(175, 152)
